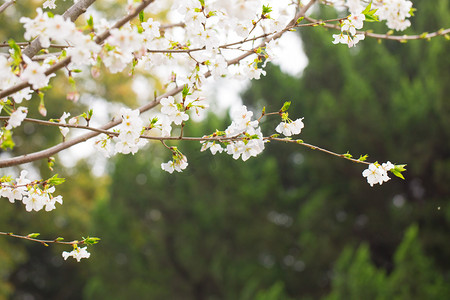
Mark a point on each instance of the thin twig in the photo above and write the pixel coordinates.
(43, 242)
(312, 147)
(387, 36)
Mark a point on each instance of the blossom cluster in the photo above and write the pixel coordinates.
(17, 117)
(206, 28)
(243, 136)
(56, 29)
(289, 127)
(128, 135)
(348, 33)
(395, 12)
(178, 162)
(31, 195)
(78, 253)
(377, 173)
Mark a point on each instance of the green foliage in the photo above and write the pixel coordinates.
(370, 14)
(414, 275)
(355, 277)
(55, 180)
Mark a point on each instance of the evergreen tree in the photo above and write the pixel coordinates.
(414, 275)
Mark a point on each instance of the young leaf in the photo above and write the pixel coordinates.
(55, 180)
(286, 106)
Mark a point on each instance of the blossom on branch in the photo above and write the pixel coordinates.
(377, 173)
(17, 117)
(77, 253)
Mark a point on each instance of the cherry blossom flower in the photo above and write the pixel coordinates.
(77, 253)
(49, 4)
(376, 173)
(178, 163)
(62, 120)
(17, 117)
(168, 106)
(34, 74)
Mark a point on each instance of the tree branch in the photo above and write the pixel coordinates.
(386, 36)
(6, 5)
(72, 13)
(67, 60)
(43, 242)
(312, 147)
(64, 145)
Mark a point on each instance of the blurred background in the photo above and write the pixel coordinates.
(289, 224)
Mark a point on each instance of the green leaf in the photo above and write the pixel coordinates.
(59, 239)
(17, 53)
(90, 21)
(370, 14)
(185, 91)
(367, 9)
(55, 180)
(372, 18)
(91, 240)
(6, 178)
(33, 235)
(398, 174)
(363, 158)
(397, 171)
(286, 106)
(6, 140)
(347, 155)
(299, 20)
(141, 16)
(266, 9)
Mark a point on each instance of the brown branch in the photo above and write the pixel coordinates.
(113, 133)
(67, 60)
(25, 44)
(100, 38)
(387, 36)
(62, 146)
(43, 242)
(312, 147)
(225, 46)
(72, 13)
(6, 5)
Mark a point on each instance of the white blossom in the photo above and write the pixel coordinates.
(77, 253)
(376, 173)
(34, 74)
(62, 120)
(49, 4)
(17, 117)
